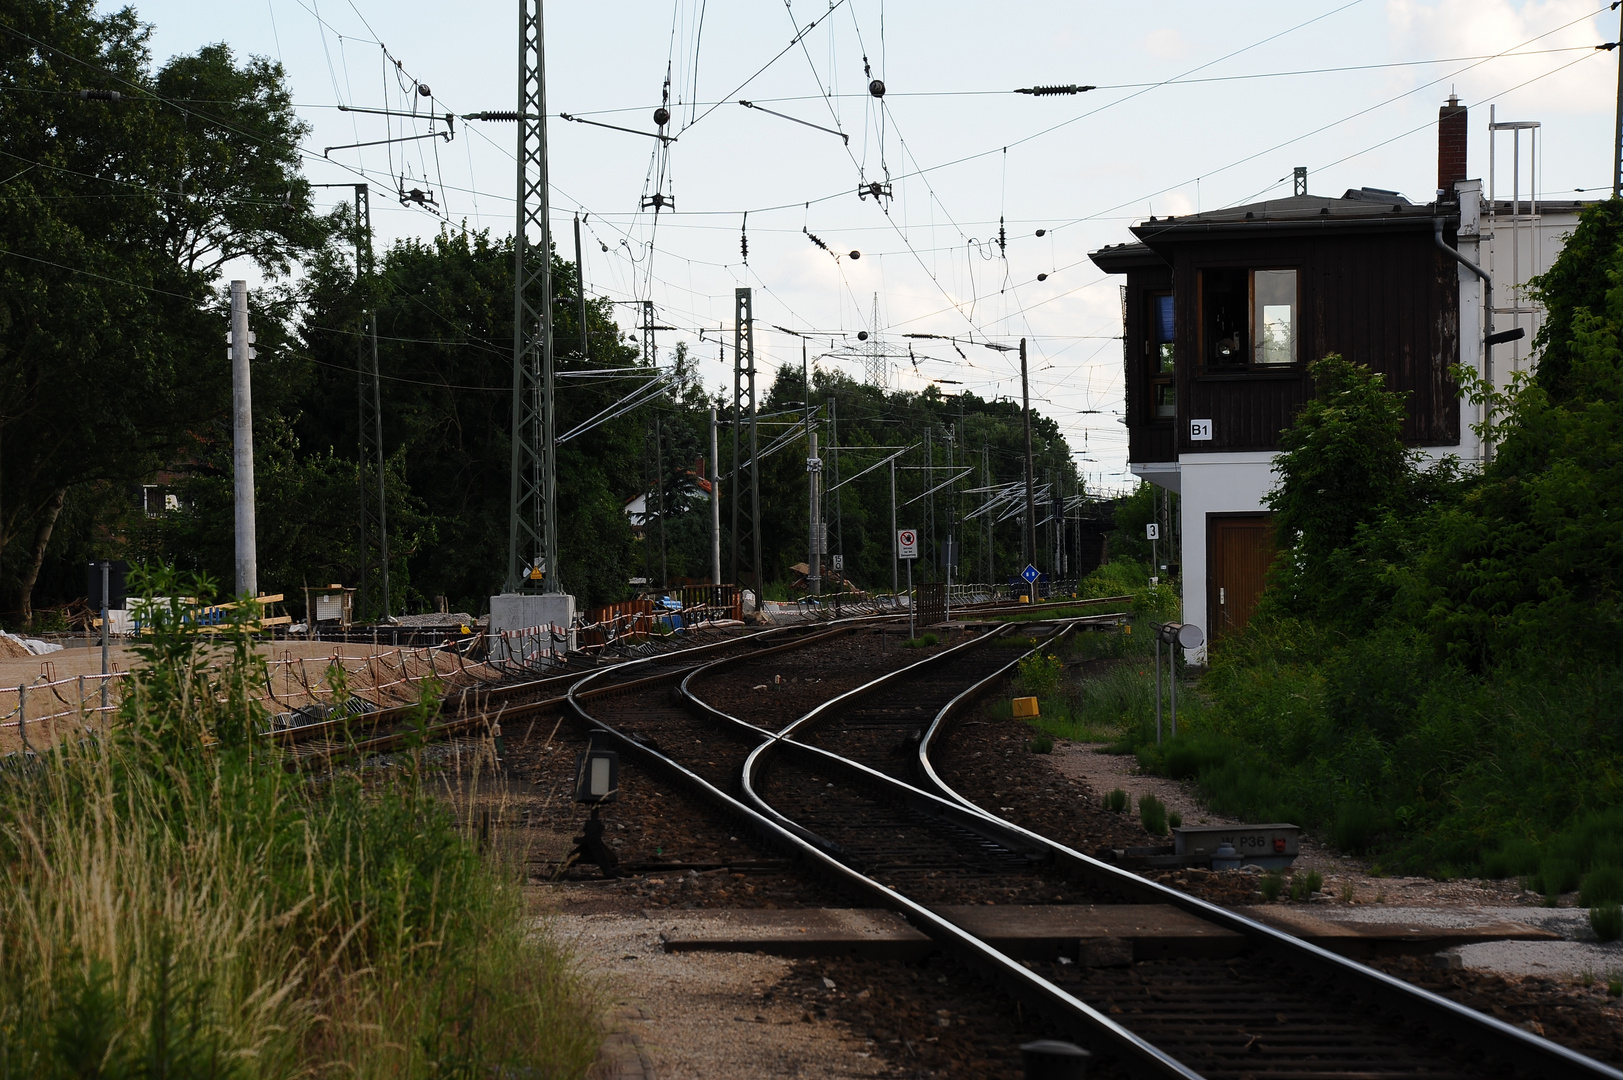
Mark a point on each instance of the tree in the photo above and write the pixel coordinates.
(1342, 462)
(114, 228)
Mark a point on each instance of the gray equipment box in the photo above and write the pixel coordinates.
(1272, 847)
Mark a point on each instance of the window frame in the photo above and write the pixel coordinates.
(1154, 377)
(1249, 366)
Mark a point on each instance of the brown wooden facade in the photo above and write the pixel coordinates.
(1370, 284)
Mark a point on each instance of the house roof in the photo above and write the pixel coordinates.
(1362, 208)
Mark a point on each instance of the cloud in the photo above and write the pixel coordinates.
(1483, 27)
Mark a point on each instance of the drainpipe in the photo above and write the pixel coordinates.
(1487, 335)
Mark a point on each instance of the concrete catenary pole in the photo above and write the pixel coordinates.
(242, 428)
(715, 503)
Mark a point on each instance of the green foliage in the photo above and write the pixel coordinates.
(923, 641)
(115, 220)
(1116, 801)
(1271, 884)
(1342, 461)
(1607, 922)
(1174, 820)
(1152, 814)
(1040, 744)
(177, 903)
(1577, 282)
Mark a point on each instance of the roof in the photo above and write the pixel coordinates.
(1363, 207)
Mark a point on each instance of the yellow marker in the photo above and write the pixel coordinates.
(1025, 708)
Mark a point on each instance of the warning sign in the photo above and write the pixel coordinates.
(907, 543)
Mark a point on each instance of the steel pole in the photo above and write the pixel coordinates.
(715, 504)
(814, 560)
(1030, 539)
(580, 287)
(895, 553)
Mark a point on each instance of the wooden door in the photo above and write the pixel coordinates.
(1239, 549)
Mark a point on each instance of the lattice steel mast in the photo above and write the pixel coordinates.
(532, 535)
(746, 561)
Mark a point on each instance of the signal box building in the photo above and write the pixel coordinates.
(1225, 309)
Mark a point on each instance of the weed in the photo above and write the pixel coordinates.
(1175, 820)
(1272, 884)
(1152, 814)
(261, 924)
(1305, 885)
(1614, 987)
(1348, 892)
(1116, 801)
(1586, 978)
(1607, 921)
(1040, 675)
(923, 641)
(1040, 744)
(1601, 886)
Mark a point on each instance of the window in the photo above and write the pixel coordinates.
(1162, 360)
(1248, 319)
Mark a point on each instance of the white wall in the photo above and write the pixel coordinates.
(1214, 484)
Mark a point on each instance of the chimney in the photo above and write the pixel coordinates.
(1451, 131)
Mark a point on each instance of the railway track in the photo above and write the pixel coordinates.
(850, 790)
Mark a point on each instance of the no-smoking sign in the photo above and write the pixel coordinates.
(907, 543)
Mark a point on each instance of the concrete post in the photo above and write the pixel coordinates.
(242, 428)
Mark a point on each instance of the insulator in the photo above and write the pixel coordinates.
(877, 88)
(100, 95)
(744, 247)
(815, 239)
(1002, 238)
(498, 114)
(662, 116)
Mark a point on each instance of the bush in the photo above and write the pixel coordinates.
(1152, 814)
(1116, 801)
(1557, 875)
(1040, 744)
(1175, 820)
(1607, 922)
(1603, 885)
(1355, 826)
(1272, 884)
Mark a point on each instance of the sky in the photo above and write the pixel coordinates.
(1196, 106)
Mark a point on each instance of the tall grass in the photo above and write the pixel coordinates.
(175, 903)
